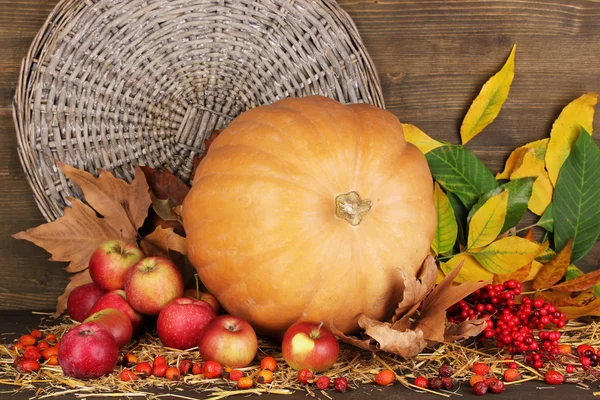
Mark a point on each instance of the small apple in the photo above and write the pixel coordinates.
(82, 299)
(310, 345)
(110, 263)
(180, 323)
(204, 296)
(152, 283)
(229, 340)
(88, 351)
(118, 299)
(116, 322)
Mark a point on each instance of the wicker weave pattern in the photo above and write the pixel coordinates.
(111, 84)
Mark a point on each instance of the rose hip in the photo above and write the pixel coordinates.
(305, 376)
(144, 368)
(340, 384)
(265, 376)
(385, 377)
(268, 363)
(323, 382)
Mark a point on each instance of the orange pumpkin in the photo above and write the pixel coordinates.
(307, 209)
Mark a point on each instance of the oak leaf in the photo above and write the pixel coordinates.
(166, 185)
(555, 270)
(468, 328)
(161, 241)
(415, 291)
(406, 343)
(114, 209)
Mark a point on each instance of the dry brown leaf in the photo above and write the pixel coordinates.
(529, 235)
(161, 241)
(365, 344)
(555, 270)
(80, 231)
(166, 185)
(406, 344)
(415, 290)
(585, 297)
(466, 329)
(519, 275)
(557, 298)
(433, 313)
(591, 309)
(580, 283)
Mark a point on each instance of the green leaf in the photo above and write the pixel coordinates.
(572, 273)
(546, 221)
(576, 198)
(519, 192)
(459, 171)
(507, 254)
(460, 212)
(447, 230)
(546, 256)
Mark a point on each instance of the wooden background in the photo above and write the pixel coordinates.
(432, 58)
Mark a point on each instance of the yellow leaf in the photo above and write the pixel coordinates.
(447, 229)
(565, 131)
(518, 165)
(513, 162)
(530, 166)
(487, 105)
(541, 194)
(507, 254)
(487, 222)
(535, 268)
(440, 276)
(471, 270)
(424, 142)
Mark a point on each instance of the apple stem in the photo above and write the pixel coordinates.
(320, 326)
(197, 279)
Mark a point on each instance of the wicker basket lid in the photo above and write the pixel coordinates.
(109, 84)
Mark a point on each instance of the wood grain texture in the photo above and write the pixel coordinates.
(432, 58)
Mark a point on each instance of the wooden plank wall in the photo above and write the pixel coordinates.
(432, 58)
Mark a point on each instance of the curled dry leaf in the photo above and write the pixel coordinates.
(406, 344)
(468, 328)
(580, 283)
(161, 241)
(80, 231)
(415, 291)
(553, 271)
(166, 185)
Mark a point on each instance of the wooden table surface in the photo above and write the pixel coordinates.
(432, 58)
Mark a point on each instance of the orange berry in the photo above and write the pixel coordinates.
(32, 353)
(144, 368)
(212, 369)
(28, 366)
(18, 346)
(385, 377)
(130, 360)
(50, 338)
(50, 352)
(36, 333)
(127, 375)
(235, 374)
(265, 376)
(172, 373)
(245, 382)
(565, 348)
(305, 375)
(511, 375)
(477, 378)
(52, 361)
(268, 363)
(27, 340)
(480, 368)
(41, 346)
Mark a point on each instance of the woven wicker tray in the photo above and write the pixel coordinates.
(111, 83)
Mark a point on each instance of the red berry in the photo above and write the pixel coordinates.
(447, 382)
(511, 375)
(27, 340)
(268, 363)
(159, 360)
(570, 369)
(323, 382)
(172, 374)
(421, 381)
(32, 353)
(496, 386)
(585, 362)
(480, 368)
(445, 370)
(305, 375)
(212, 369)
(127, 375)
(160, 370)
(196, 368)
(28, 365)
(435, 383)
(235, 375)
(480, 388)
(185, 366)
(41, 346)
(385, 377)
(340, 384)
(144, 369)
(36, 333)
(553, 377)
(582, 348)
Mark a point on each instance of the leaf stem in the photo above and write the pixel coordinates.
(526, 228)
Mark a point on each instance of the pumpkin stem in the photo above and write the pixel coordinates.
(351, 207)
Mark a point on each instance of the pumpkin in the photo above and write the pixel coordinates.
(307, 209)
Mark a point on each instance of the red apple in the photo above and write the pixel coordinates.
(152, 283)
(116, 322)
(181, 322)
(82, 299)
(118, 299)
(110, 263)
(88, 351)
(229, 340)
(204, 296)
(309, 345)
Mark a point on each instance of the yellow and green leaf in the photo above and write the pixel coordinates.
(471, 270)
(424, 142)
(507, 255)
(565, 131)
(522, 161)
(488, 103)
(487, 222)
(447, 229)
(541, 194)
